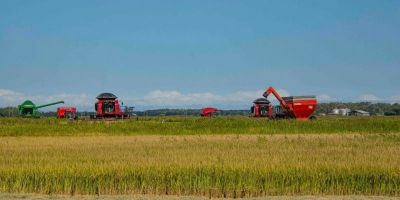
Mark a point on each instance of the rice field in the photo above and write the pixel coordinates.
(196, 126)
(172, 197)
(218, 157)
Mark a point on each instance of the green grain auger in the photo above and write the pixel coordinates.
(29, 109)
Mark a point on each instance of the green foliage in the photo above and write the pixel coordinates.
(8, 112)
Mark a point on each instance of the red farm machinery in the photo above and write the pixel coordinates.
(208, 111)
(67, 112)
(293, 107)
(107, 106)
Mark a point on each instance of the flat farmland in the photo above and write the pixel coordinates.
(217, 157)
(197, 126)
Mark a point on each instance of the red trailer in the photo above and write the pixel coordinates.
(296, 107)
(67, 112)
(208, 111)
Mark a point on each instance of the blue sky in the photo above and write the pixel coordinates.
(196, 53)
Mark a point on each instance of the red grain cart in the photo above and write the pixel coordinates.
(295, 107)
(301, 107)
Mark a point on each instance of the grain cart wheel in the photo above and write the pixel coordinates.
(313, 117)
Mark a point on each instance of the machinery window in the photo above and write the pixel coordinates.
(263, 110)
(27, 111)
(108, 107)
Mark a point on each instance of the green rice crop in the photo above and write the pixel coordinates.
(196, 126)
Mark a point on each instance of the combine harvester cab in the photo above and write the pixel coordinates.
(107, 106)
(293, 107)
(262, 108)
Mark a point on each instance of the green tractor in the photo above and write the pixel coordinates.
(29, 109)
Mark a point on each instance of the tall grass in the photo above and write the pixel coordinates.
(196, 125)
(213, 166)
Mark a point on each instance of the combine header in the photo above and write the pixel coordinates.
(294, 107)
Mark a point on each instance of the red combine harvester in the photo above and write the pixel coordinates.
(294, 107)
(107, 106)
(67, 112)
(261, 108)
(208, 111)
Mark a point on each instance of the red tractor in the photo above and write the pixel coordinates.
(295, 107)
(107, 106)
(208, 111)
(67, 112)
